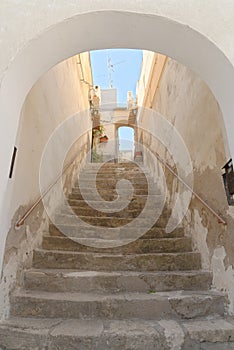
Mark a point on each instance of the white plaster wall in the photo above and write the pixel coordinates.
(187, 102)
(58, 95)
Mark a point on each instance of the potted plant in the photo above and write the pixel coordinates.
(103, 138)
(98, 131)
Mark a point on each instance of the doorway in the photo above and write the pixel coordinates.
(125, 144)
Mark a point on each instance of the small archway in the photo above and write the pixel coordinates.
(125, 143)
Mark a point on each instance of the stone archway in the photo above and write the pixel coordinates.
(87, 31)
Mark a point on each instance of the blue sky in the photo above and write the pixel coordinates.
(125, 71)
(124, 74)
(126, 138)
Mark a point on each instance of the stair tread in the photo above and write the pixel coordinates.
(113, 254)
(125, 296)
(125, 245)
(92, 273)
(164, 239)
(219, 329)
(96, 332)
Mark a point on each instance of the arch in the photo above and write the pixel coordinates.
(127, 141)
(88, 31)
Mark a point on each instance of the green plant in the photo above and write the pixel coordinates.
(99, 130)
(96, 158)
(151, 291)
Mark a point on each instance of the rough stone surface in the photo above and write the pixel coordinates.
(207, 330)
(114, 262)
(120, 281)
(150, 293)
(142, 246)
(121, 305)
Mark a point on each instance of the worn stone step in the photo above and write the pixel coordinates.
(56, 259)
(51, 280)
(97, 334)
(110, 195)
(141, 246)
(135, 203)
(20, 333)
(122, 232)
(142, 191)
(174, 305)
(124, 213)
(111, 176)
(115, 167)
(111, 182)
(65, 219)
(112, 165)
(89, 211)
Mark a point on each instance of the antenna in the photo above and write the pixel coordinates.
(110, 67)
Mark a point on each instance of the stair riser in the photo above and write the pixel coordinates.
(112, 195)
(19, 339)
(107, 197)
(89, 261)
(109, 221)
(138, 203)
(87, 180)
(113, 191)
(82, 232)
(125, 213)
(115, 308)
(89, 211)
(109, 177)
(112, 185)
(115, 283)
(115, 169)
(113, 164)
(136, 247)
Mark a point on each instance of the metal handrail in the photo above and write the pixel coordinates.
(220, 219)
(21, 221)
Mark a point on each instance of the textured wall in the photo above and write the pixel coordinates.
(58, 95)
(187, 102)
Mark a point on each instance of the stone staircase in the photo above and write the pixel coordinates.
(81, 293)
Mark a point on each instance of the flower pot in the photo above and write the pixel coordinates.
(103, 139)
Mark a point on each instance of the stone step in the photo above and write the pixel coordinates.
(20, 333)
(111, 182)
(139, 190)
(173, 305)
(112, 195)
(114, 168)
(126, 212)
(111, 222)
(51, 280)
(135, 177)
(140, 246)
(123, 232)
(110, 165)
(135, 203)
(142, 191)
(56, 259)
